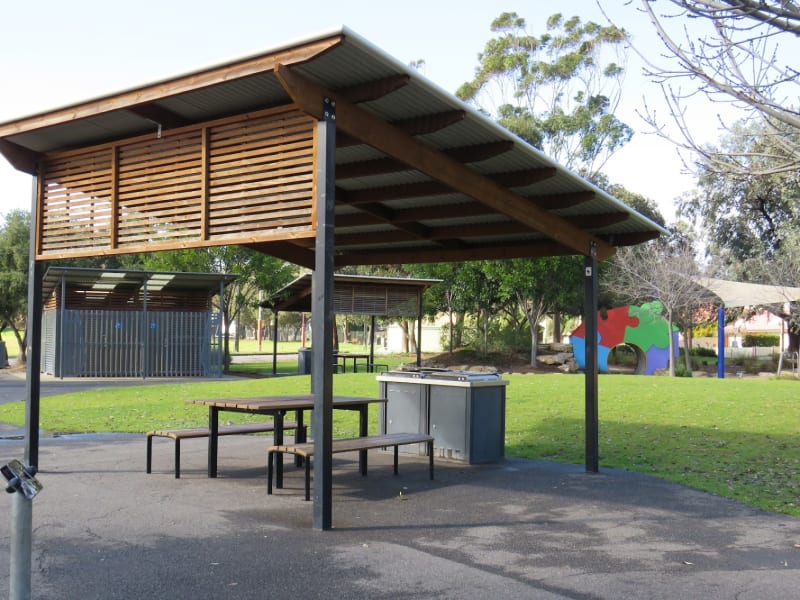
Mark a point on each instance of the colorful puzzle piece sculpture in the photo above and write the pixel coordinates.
(639, 326)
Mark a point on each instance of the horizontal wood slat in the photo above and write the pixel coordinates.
(244, 180)
(275, 154)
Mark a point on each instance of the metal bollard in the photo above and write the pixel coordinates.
(22, 483)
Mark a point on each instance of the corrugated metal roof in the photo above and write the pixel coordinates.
(379, 199)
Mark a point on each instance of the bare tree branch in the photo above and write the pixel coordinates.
(733, 52)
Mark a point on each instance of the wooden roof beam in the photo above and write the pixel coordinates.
(416, 126)
(556, 201)
(422, 213)
(288, 251)
(395, 143)
(374, 90)
(431, 254)
(383, 166)
(20, 158)
(166, 118)
(436, 188)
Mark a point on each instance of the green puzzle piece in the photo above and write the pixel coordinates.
(652, 329)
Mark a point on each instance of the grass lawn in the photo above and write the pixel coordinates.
(739, 438)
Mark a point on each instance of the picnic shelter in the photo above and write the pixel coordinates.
(325, 152)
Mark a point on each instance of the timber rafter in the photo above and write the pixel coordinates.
(443, 170)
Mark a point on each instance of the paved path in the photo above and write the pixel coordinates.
(520, 529)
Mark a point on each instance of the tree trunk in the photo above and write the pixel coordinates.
(557, 327)
(687, 343)
(22, 358)
(404, 328)
(671, 345)
(450, 331)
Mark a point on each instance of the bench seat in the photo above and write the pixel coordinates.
(200, 432)
(306, 451)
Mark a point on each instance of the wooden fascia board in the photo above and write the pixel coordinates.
(394, 143)
(173, 87)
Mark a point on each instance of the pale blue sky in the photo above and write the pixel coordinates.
(56, 52)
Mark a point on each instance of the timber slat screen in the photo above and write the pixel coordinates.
(243, 179)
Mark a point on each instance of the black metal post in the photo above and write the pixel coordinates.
(33, 340)
(419, 328)
(322, 318)
(275, 342)
(372, 341)
(590, 318)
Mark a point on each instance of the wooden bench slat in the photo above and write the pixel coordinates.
(240, 428)
(306, 450)
(199, 432)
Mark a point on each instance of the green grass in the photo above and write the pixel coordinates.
(12, 347)
(738, 438)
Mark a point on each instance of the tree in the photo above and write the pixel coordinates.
(745, 210)
(256, 271)
(660, 270)
(738, 52)
(14, 252)
(555, 91)
(539, 287)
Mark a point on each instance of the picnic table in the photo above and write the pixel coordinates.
(355, 357)
(278, 406)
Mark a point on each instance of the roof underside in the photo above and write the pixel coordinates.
(449, 184)
(109, 280)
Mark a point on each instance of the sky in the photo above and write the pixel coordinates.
(55, 52)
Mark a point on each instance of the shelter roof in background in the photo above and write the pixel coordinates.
(420, 176)
(737, 293)
(109, 280)
(356, 295)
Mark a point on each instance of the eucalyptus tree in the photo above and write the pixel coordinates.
(746, 211)
(558, 90)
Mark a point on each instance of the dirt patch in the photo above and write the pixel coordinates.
(504, 363)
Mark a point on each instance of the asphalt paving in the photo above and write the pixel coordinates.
(105, 529)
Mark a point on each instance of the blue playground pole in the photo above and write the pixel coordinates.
(721, 342)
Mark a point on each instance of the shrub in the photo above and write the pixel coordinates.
(762, 340)
(682, 371)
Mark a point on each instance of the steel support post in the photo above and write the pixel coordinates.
(22, 508)
(721, 342)
(590, 318)
(322, 318)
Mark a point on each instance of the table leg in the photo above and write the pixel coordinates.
(213, 439)
(300, 436)
(278, 432)
(363, 421)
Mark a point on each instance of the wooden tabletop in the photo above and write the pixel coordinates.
(296, 402)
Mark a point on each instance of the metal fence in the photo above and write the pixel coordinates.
(111, 343)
